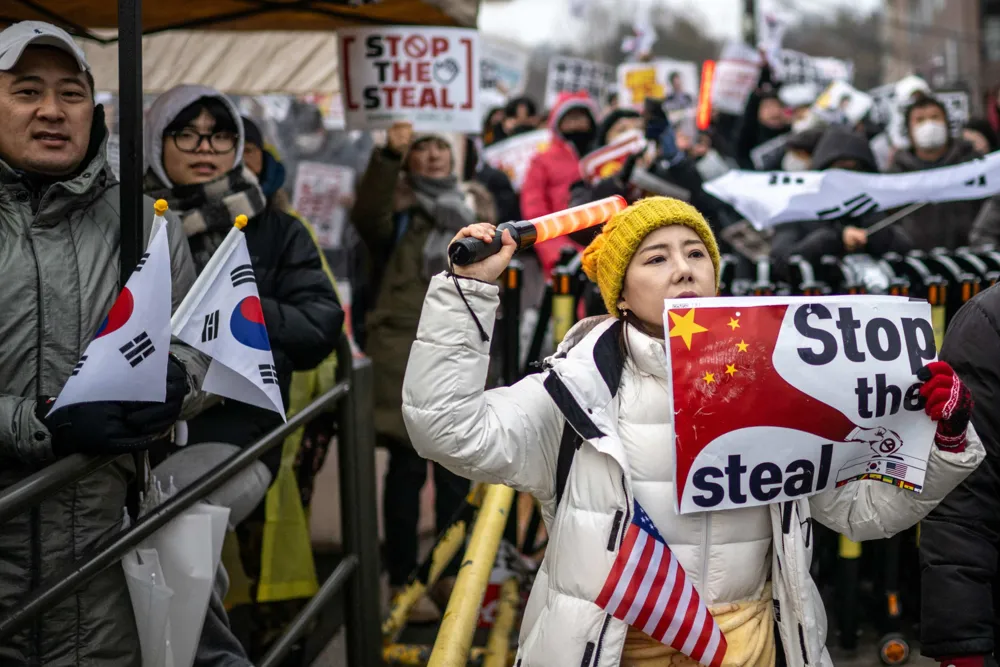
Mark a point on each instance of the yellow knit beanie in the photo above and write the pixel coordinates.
(607, 257)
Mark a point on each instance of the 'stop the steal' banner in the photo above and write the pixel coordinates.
(784, 397)
(428, 76)
(770, 198)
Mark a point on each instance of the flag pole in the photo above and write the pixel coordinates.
(208, 275)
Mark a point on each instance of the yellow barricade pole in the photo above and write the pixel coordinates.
(498, 645)
(448, 545)
(454, 639)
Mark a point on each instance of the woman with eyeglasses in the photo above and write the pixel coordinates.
(194, 140)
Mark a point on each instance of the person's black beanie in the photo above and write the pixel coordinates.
(252, 133)
(613, 117)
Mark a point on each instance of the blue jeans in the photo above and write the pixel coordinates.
(218, 646)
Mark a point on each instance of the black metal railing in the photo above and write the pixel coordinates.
(358, 572)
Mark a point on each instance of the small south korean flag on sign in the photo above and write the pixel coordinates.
(227, 324)
(127, 360)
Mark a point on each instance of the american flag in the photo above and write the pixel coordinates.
(896, 469)
(647, 588)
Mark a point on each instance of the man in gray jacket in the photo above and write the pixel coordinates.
(59, 246)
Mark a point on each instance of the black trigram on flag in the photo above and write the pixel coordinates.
(854, 207)
(142, 263)
(785, 179)
(79, 366)
(242, 274)
(980, 182)
(268, 374)
(210, 329)
(137, 349)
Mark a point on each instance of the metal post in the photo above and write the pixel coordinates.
(60, 587)
(563, 304)
(300, 625)
(356, 449)
(454, 639)
(750, 22)
(511, 304)
(130, 133)
(498, 644)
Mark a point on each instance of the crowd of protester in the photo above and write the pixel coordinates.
(415, 192)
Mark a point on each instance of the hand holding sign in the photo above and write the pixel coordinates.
(400, 136)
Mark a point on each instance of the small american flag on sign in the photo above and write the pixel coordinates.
(897, 469)
(648, 589)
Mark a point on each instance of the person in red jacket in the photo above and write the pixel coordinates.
(551, 172)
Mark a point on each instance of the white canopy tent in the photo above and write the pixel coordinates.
(240, 63)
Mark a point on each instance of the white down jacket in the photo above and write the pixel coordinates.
(512, 436)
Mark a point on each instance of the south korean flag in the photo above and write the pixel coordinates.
(224, 320)
(127, 359)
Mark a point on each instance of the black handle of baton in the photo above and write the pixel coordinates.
(469, 250)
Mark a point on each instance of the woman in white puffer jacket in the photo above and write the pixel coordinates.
(594, 431)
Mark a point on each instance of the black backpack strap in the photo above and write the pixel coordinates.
(567, 450)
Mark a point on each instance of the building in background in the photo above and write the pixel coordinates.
(953, 44)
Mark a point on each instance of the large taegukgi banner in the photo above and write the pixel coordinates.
(784, 397)
(766, 199)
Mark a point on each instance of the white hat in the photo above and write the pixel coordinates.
(19, 36)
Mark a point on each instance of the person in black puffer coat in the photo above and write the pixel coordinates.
(960, 585)
(209, 188)
(839, 148)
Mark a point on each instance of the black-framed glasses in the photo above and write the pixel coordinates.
(189, 141)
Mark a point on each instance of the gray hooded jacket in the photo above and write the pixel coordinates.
(59, 262)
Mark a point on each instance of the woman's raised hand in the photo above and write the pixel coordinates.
(491, 268)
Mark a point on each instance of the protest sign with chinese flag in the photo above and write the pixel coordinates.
(784, 397)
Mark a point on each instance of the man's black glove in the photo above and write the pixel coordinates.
(115, 427)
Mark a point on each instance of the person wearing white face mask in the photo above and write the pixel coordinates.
(935, 225)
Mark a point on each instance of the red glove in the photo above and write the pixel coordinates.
(965, 660)
(948, 402)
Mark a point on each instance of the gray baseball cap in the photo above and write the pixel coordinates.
(19, 36)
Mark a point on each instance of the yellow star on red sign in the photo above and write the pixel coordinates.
(685, 327)
(734, 324)
(742, 345)
(709, 378)
(731, 369)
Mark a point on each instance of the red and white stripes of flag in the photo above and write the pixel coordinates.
(648, 589)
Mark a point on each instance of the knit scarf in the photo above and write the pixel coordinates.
(442, 200)
(207, 210)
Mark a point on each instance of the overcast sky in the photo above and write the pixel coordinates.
(535, 21)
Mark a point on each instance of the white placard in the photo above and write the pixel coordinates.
(322, 195)
(573, 75)
(502, 69)
(778, 401)
(736, 74)
(427, 76)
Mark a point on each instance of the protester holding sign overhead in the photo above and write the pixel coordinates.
(409, 207)
(763, 118)
(590, 438)
(935, 225)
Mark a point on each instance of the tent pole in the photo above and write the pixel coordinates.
(130, 132)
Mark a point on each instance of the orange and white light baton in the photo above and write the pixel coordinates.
(545, 228)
